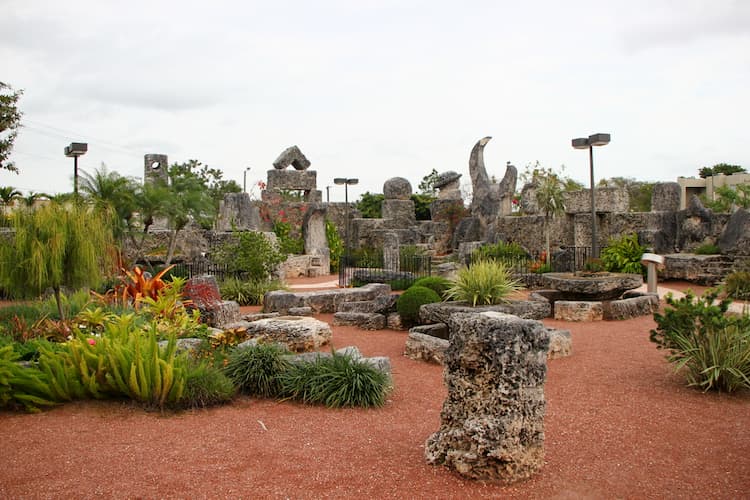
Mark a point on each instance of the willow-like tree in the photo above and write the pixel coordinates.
(54, 246)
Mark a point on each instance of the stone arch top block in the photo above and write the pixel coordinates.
(397, 188)
(291, 156)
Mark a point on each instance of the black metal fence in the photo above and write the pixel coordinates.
(567, 259)
(356, 270)
(201, 267)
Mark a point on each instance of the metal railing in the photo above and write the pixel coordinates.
(360, 270)
(569, 259)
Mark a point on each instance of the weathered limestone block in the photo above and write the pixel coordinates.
(492, 422)
(382, 304)
(469, 229)
(399, 213)
(300, 311)
(560, 343)
(365, 321)
(423, 347)
(323, 301)
(439, 330)
(393, 322)
(665, 197)
(188, 345)
(304, 180)
(439, 312)
(203, 294)
(736, 236)
(237, 211)
(633, 307)
(702, 269)
(291, 156)
(612, 199)
(397, 188)
(298, 334)
(579, 310)
(449, 186)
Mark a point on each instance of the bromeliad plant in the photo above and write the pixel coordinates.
(137, 285)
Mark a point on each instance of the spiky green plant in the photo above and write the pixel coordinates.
(255, 370)
(206, 385)
(22, 387)
(485, 282)
(337, 381)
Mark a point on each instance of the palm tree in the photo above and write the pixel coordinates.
(111, 191)
(30, 199)
(549, 197)
(8, 194)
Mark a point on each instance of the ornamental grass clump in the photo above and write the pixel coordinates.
(255, 370)
(337, 381)
(711, 346)
(485, 282)
(205, 386)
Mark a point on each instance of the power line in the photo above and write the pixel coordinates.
(66, 134)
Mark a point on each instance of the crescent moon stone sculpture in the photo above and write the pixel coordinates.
(489, 199)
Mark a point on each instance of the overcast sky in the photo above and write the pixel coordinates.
(379, 88)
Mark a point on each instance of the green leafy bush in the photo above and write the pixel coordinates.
(737, 285)
(255, 370)
(484, 282)
(711, 345)
(206, 385)
(252, 256)
(336, 381)
(500, 251)
(623, 255)
(409, 302)
(437, 283)
(247, 293)
(288, 244)
(335, 245)
(707, 249)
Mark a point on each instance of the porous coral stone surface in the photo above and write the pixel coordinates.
(618, 424)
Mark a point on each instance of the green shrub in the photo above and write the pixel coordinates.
(255, 370)
(713, 346)
(737, 285)
(247, 293)
(206, 385)
(484, 282)
(288, 244)
(21, 387)
(707, 249)
(335, 245)
(336, 381)
(409, 302)
(251, 255)
(437, 283)
(623, 255)
(500, 251)
(400, 284)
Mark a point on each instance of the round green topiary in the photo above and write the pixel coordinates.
(437, 283)
(408, 303)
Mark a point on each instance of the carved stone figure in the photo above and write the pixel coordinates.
(489, 199)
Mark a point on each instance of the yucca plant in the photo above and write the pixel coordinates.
(485, 282)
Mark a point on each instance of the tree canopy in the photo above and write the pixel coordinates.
(10, 121)
(720, 168)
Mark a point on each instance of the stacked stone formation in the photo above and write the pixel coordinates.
(493, 418)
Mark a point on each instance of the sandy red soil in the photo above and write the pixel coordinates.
(619, 424)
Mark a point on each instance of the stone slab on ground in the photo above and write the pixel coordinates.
(632, 307)
(297, 333)
(366, 321)
(560, 343)
(579, 310)
(440, 312)
(423, 347)
(324, 301)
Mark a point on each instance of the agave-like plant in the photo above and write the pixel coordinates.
(484, 282)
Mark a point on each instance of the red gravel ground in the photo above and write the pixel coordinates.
(619, 424)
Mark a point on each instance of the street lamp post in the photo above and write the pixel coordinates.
(75, 150)
(346, 182)
(589, 143)
(244, 180)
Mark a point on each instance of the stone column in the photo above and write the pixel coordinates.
(492, 422)
(391, 252)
